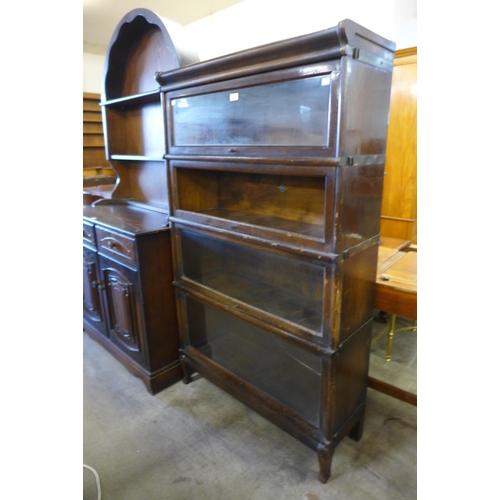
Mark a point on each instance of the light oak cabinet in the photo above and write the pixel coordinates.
(98, 176)
(94, 154)
(399, 201)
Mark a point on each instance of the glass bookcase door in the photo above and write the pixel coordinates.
(283, 206)
(289, 288)
(290, 375)
(290, 113)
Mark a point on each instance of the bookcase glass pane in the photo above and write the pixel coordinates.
(289, 375)
(292, 113)
(291, 289)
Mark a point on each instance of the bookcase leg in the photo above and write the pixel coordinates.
(187, 373)
(356, 432)
(325, 455)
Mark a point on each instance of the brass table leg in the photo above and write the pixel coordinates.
(393, 331)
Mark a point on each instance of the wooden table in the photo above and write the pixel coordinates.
(396, 286)
(396, 294)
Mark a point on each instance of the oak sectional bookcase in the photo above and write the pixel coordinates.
(276, 159)
(128, 299)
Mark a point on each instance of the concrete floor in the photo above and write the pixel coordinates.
(401, 371)
(196, 442)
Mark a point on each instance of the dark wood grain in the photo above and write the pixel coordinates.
(129, 301)
(275, 235)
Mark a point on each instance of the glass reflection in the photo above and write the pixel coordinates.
(291, 113)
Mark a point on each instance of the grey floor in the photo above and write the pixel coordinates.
(196, 442)
(401, 370)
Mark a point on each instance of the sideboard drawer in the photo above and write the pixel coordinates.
(88, 233)
(115, 245)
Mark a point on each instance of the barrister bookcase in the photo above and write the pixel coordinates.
(128, 299)
(276, 160)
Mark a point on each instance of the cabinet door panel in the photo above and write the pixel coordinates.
(120, 295)
(123, 308)
(92, 300)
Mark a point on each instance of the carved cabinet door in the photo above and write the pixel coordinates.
(123, 307)
(92, 292)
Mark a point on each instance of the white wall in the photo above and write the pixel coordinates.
(93, 67)
(255, 22)
(405, 24)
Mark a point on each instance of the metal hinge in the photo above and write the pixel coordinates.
(346, 161)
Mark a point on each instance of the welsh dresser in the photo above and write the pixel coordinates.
(128, 299)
